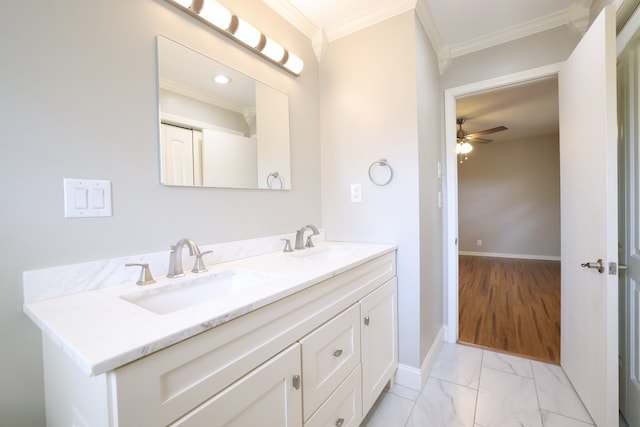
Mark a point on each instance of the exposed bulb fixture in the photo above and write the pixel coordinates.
(215, 13)
(294, 64)
(245, 32)
(273, 50)
(223, 20)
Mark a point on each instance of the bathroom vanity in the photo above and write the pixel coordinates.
(312, 344)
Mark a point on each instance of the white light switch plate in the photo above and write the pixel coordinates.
(356, 193)
(86, 198)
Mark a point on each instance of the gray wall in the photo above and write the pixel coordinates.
(526, 53)
(372, 83)
(509, 197)
(79, 100)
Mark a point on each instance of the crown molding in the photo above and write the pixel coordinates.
(293, 16)
(199, 96)
(368, 18)
(575, 17)
(442, 50)
(511, 33)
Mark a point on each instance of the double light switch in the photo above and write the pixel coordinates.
(84, 198)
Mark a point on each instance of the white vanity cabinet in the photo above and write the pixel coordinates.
(318, 357)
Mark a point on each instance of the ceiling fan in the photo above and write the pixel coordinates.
(464, 139)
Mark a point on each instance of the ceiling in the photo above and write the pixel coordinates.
(457, 22)
(527, 110)
(461, 26)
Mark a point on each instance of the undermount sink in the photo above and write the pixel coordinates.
(178, 296)
(324, 253)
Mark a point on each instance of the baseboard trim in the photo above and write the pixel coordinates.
(515, 256)
(415, 378)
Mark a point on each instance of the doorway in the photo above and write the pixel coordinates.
(452, 232)
(509, 220)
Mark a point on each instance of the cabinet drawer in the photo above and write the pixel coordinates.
(343, 408)
(329, 354)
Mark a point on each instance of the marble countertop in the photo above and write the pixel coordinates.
(101, 331)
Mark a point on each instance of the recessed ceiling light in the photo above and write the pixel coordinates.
(221, 79)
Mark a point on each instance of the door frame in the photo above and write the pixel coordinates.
(451, 180)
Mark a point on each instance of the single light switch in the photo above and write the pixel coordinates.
(80, 198)
(97, 198)
(85, 198)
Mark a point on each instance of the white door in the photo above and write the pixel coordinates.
(589, 221)
(629, 237)
(177, 155)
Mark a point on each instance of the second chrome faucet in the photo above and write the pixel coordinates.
(300, 236)
(175, 258)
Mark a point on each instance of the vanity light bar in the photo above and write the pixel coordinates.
(240, 30)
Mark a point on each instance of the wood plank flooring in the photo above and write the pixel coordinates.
(510, 305)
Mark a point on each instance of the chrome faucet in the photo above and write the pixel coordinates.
(175, 258)
(300, 236)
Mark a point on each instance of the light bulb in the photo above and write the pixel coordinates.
(273, 49)
(247, 33)
(294, 64)
(221, 79)
(217, 14)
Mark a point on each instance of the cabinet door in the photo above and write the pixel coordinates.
(379, 341)
(268, 396)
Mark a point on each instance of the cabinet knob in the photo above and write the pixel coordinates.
(296, 382)
(339, 422)
(337, 353)
(366, 320)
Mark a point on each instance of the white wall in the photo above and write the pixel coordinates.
(430, 153)
(79, 100)
(509, 197)
(369, 108)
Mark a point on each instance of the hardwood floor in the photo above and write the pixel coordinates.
(511, 305)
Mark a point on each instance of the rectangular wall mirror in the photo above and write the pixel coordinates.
(233, 135)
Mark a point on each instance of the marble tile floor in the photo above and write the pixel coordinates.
(471, 387)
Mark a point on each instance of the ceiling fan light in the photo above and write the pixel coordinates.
(465, 148)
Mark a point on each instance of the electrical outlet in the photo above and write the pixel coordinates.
(479, 242)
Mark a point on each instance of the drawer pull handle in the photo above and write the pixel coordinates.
(366, 320)
(339, 422)
(337, 353)
(296, 382)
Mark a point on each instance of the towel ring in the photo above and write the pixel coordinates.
(380, 180)
(272, 177)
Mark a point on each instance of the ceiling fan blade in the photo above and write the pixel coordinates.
(481, 140)
(487, 131)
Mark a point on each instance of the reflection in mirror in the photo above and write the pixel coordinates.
(230, 135)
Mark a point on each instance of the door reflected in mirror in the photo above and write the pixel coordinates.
(232, 134)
